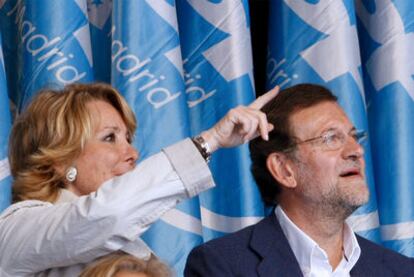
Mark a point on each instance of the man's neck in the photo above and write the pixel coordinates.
(326, 231)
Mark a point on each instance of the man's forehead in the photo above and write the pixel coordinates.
(314, 119)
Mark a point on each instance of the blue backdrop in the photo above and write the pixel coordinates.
(183, 64)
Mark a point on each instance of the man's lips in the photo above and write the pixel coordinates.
(351, 172)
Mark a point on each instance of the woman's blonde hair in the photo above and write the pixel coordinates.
(110, 265)
(51, 134)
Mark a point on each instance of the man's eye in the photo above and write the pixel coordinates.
(356, 136)
(110, 138)
(332, 137)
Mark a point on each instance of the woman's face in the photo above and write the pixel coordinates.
(108, 153)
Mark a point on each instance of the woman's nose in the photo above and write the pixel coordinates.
(131, 154)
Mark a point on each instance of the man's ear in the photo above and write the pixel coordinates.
(281, 169)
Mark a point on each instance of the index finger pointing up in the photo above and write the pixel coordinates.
(262, 100)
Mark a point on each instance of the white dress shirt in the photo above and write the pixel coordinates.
(43, 239)
(312, 259)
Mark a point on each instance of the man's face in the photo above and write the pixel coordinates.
(333, 179)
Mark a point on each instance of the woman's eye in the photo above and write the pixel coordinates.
(110, 138)
(129, 138)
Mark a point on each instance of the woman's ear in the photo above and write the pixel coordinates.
(280, 166)
(68, 173)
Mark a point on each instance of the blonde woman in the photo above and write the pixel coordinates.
(78, 193)
(120, 264)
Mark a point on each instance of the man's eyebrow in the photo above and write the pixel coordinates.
(336, 128)
(329, 130)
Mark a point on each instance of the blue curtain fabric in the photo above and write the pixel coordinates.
(5, 124)
(183, 64)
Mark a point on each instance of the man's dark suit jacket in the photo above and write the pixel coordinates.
(263, 250)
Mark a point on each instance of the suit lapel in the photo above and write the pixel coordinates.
(277, 258)
(370, 263)
(271, 244)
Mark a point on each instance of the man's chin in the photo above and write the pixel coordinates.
(356, 188)
(358, 200)
(356, 196)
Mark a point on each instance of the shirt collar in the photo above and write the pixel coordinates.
(352, 251)
(66, 196)
(308, 252)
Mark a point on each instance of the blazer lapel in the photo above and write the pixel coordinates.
(271, 244)
(370, 263)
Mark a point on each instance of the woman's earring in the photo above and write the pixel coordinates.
(71, 174)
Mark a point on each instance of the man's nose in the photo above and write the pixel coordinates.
(353, 149)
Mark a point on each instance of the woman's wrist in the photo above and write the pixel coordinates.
(206, 143)
(210, 140)
(203, 147)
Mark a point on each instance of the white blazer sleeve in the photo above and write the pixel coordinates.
(35, 236)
